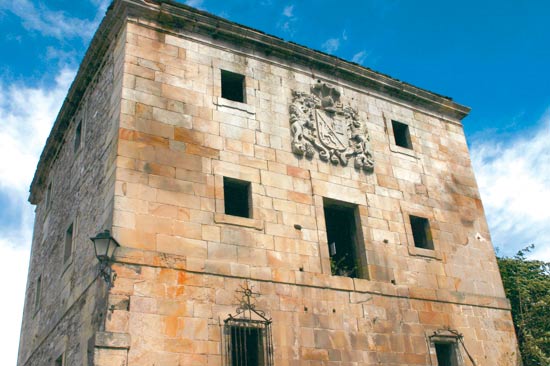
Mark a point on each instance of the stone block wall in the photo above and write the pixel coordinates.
(72, 301)
(179, 139)
(159, 140)
(184, 258)
(175, 314)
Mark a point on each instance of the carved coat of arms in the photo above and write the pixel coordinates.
(320, 123)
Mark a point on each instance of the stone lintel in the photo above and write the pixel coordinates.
(112, 340)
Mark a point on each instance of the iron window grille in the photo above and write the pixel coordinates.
(247, 335)
(447, 344)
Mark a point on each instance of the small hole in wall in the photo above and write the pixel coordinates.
(301, 269)
(305, 308)
(334, 310)
(298, 226)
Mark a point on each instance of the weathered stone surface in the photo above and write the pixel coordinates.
(72, 303)
(158, 141)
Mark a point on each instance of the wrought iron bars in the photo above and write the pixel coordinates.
(247, 335)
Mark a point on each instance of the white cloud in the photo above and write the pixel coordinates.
(288, 11)
(27, 117)
(55, 24)
(287, 27)
(288, 20)
(13, 275)
(359, 57)
(195, 3)
(62, 57)
(101, 5)
(27, 114)
(331, 45)
(514, 181)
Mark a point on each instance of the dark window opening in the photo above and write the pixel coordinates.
(342, 239)
(68, 250)
(247, 346)
(237, 197)
(77, 136)
(422, 234)
(233, 86)
(401, 134)
(446, 354)
(48, 198)
(37, 294)
(60, 360)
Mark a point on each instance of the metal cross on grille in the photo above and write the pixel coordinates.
(247, 334)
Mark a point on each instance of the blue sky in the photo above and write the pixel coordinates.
(492, 56)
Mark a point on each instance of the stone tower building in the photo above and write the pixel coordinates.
(274, 205)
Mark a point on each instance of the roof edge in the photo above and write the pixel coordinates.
(102, 40)
(177, 16)
(168, 10)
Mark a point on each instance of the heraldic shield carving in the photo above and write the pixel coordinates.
(319, 123)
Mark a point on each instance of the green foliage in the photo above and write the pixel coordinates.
(339, 267)
(527, 285)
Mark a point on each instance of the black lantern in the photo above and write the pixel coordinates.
(105, 246)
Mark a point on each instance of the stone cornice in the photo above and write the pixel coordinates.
(179, 16)
(176, 17)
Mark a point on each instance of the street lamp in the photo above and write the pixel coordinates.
(105, 246)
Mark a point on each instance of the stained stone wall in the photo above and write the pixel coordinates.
(179, 138)
(72, 301)
(172, 139)
(176, 312)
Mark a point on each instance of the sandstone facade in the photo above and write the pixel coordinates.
(158, 142)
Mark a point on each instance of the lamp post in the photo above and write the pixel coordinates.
(105, 246)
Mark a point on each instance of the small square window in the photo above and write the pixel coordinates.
(68, 249)
(233, 86)
(78, 136)
(402, 135)
(237, 197)
(422, 234)
(446, 354)
(60, 361)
